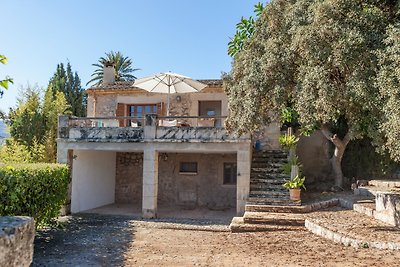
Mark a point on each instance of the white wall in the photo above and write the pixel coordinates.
(93, 179)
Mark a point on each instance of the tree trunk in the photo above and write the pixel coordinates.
(336, 159)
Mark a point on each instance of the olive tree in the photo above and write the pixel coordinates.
(322, 59)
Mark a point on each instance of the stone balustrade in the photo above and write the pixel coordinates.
(106, 130)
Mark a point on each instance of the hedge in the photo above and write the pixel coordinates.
(38, 190)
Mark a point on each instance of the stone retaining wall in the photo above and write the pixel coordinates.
(16, 240)
(388, 208)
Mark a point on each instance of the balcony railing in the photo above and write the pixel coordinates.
(151, 127)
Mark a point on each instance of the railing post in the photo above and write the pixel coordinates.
(150, 126)
(63, 127)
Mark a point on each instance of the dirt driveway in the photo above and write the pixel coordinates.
(104, 240)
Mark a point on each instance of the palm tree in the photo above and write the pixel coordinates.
(122, 65)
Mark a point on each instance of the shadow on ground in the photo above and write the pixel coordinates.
(91, 239)
(85, 240)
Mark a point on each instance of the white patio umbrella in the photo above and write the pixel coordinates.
(169, 83)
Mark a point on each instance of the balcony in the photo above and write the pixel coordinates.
(152, 128)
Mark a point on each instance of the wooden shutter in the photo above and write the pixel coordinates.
(160, 109)
(120, 112)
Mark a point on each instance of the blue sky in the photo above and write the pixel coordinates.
(187, 37)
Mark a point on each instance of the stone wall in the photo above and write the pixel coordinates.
(16, 240)
(106, 104)
(388, 207)
(204, 189)
(313, 152)
(129, 182)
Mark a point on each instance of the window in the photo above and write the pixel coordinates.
(138, 112)
(188, 168)
(230, 173)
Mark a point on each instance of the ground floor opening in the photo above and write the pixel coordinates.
(195, 184)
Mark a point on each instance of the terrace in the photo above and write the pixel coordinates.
(151, 128)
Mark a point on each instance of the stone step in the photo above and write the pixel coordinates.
(293, 219)
(272, 201)
(277, 209)
(266, 165)
(269, 177)
(353, 229)
(269, 160)
(371, 191)
(385, 183)
(305, 208)
(238, 226)
(366, 207)
(268, 170)
(265, 186)
(278, 194)
(270, 154)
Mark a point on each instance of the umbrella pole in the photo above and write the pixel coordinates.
(168, 100)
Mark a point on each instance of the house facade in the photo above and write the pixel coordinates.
(128, 151)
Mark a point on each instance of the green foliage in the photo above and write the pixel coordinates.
(293, 161)
(295, 183)
(289, 116)
(27, 122)
(33, 126)
(36, 190)
(4, 83)
(14, 152)
(334, 60)
(288, 141)
(68, 82)
(244, 30)
(122, 65)
(388, 82)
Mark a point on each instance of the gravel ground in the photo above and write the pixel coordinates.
(101, 240)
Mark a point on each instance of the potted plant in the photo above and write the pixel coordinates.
(294, 185)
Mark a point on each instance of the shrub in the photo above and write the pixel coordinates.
(288, 141)
(295, 183)
(37, 190)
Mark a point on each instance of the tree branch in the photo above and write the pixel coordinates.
(334, 138)
(326, 132)
(347, 138)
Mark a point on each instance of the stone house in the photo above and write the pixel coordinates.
(127, 151)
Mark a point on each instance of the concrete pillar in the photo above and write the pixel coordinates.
(63, 127)
(243, 180)
(150, 126)
(62, 153)
(150, 182)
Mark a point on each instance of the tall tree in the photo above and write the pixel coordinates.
(4, 83)
(321, 57)
(54, 104)
(27, 123)
(122, 65)
(68, 82)
(33, 125)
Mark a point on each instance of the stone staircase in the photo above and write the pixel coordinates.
(266, 179)
(269, 207)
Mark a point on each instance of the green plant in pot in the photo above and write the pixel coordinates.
(288, 141)
(294, 185)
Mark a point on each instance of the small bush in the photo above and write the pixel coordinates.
(37, 190)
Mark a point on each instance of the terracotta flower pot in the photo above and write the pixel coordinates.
(295, 194)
